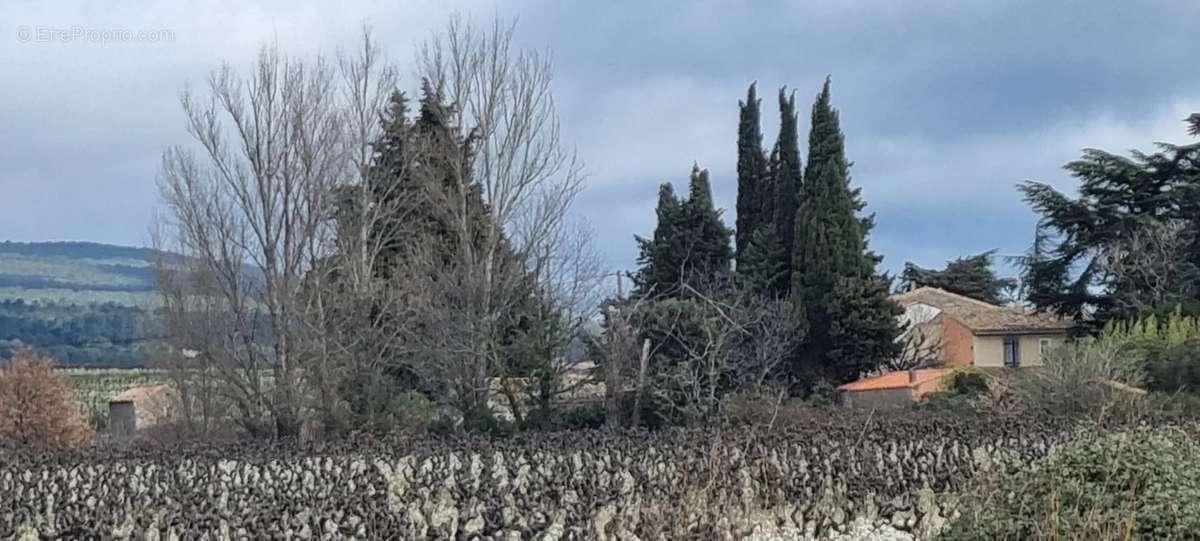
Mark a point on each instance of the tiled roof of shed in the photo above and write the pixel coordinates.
(139, 394)
(894, 380)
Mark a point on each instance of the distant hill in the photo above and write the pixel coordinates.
(84, 303)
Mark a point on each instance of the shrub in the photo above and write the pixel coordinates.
(965, 382)
(1173, 367)
(37, 407)
(1139, 484)
(1167, 344)
(1077, 380)
(959, 392)
(584, 416)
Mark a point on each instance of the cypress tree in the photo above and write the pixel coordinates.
(710, 238)
(761, 268)
(690, 244)
(752, 175)
(787, 180)
(852, 322)
(656, 255)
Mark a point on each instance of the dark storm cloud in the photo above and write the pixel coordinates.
(945, 105)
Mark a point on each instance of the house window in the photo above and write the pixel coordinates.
(1044, 345)
(1012, 354)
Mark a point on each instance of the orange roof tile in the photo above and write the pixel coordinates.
(894, 380)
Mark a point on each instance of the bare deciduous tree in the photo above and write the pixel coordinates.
(283, 218)
(922, 347)
(250, 212)
(682, 355)
(624, 361)
(1149, 266)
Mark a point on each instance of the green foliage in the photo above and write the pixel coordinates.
(1117, 195)
(676, 328)
(382, 402)
(95, 334)
(1141, 485)
(1174, 329)
(81, 303)
(415, 186)
(788, 180)
(863, 327)
(585, 416)
(960, 392)
(971, 276)
(691, 245)
(966, 382)
(1168, 348)
(483, 421)
(1077, 380)
(146, 300)
(755, 201)
(762, 267)
(851, 321)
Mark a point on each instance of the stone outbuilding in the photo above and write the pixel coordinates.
(140, 408)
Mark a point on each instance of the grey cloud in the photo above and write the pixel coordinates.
(945, 105)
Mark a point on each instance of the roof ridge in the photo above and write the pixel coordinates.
(953, 294)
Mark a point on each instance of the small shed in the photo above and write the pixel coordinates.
(894, 389)
(139, 408)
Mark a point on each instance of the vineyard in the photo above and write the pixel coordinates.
(815, 479)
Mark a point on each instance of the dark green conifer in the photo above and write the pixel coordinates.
(753, 184)
(691, 245)
(787, 179)
(852, 323)
(971, 276)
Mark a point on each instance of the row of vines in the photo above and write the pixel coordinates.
(717, 484)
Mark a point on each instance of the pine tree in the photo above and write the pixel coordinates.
(690, 244)
(851, 322)
(752, 175)
(1117, 196)
(971, 276)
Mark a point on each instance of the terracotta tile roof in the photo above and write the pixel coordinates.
(894, 380)
(984, 318)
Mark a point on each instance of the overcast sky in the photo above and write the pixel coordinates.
(945, 105)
